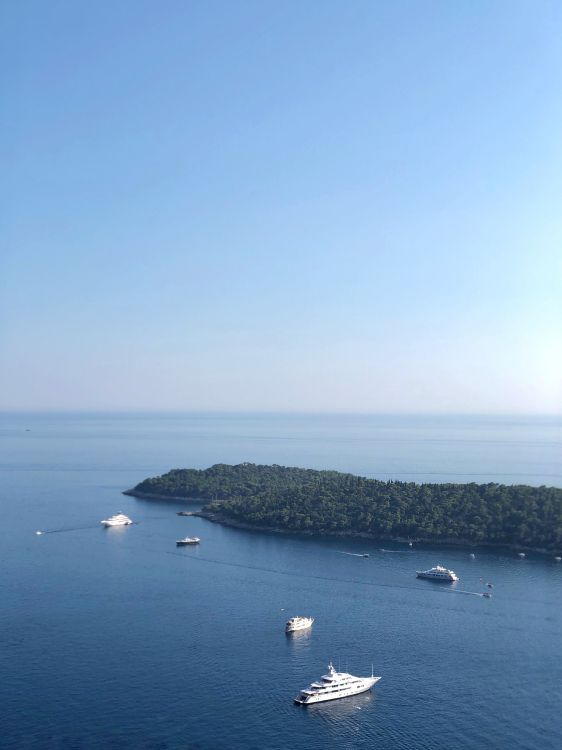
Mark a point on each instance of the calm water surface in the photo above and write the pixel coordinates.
(116, 639)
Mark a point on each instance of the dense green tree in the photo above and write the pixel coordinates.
(331, 502)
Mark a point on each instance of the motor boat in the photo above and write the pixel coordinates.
(335, 685)
(120, 519)
(298, 623)
(438, 573)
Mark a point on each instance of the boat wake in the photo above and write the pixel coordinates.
(353, 554)
(397, 551)
(468, 593)
(199, 559)
(64, 529)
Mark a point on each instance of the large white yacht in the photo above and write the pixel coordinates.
(335, 685)
(187, 540)
(298, 623)
(120, 519)
(438, 573)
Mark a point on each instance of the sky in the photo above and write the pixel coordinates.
(254, 205)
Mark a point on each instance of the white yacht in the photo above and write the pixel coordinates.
(438, 573)
(298, 623)
(120, 519)
(335, 685)
(188, 540)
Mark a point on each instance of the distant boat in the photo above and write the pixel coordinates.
(366, 554)
(38, 533)
(438, 573)
(472, 555)
(119, 519)
(298, 623)
(185, 513)
(521, 554)
(187, 540)
(558, 558)
(490, 585)
(487, 595)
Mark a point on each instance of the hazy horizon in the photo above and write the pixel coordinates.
(253, 207)
(271, 413)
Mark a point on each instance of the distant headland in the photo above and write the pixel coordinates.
(306, 501)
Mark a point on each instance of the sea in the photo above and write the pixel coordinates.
(116, 638)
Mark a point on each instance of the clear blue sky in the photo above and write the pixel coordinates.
(258, 205)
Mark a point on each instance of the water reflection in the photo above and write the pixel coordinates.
(341, 709)
(299, 638)
(115, 531)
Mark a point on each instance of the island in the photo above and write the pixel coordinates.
(307, 501)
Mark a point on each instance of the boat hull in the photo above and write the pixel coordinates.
(323, 698)
(109, 524)
(296, 630)
(428, 577)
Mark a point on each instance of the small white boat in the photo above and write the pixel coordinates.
(558, 558)
(187, 540)
(298, 623)
(335, 685)
(438, 573)
(472, 555)
(39, 533)
(119, 519)
(521, 555)
(487, 594)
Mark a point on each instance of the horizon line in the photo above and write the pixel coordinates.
(275, 412)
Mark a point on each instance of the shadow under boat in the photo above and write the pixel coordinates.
(342, 708)
(299, 636)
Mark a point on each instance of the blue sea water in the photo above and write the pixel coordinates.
(114, 638)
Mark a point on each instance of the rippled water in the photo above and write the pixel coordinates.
(117, 639)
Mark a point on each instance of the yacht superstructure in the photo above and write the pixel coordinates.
(438, 573)
(335, 685)
(298, 623)
(119, 519)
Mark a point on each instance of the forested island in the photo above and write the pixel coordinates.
(333, 503)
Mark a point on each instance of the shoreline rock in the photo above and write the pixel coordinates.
(150, 496)
(234, 523)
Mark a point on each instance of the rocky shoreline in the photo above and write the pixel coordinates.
(151, 496)
(234, 523)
